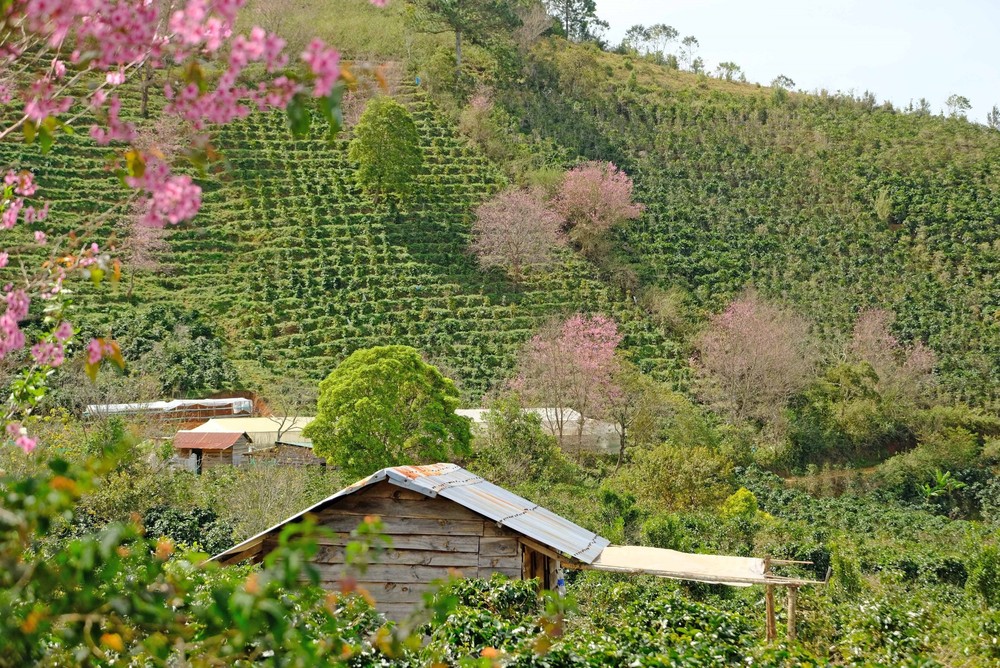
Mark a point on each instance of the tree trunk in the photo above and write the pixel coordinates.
(147, 76)
(621, 450)
(458, 56)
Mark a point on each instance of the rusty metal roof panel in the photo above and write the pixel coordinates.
(454, 483)
(193, 440)
(502, 506)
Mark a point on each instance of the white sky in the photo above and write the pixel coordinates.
(900, 50)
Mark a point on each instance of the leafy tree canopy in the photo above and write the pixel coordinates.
(386, 148)
(385, 406)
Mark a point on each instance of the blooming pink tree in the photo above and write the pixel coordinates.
(64, 60)
(753, 357)
(904, 372)
(515, 230)
(567, 366)
(595, 197)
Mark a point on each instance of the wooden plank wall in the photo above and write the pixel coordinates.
(212, 458)
(431, 539)
(240, 450)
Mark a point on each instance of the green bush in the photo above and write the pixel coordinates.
(984, 577)
(666, 531)
(513, 446)
(672, 477)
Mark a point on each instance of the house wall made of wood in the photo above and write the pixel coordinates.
(237, 455)
(431, 538)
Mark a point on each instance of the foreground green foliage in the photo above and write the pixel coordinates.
(115, 597)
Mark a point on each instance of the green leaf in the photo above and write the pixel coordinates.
(299, 117)
(29, 132)
(45, 138)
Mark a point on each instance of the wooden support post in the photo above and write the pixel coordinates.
(792, 596)
(772, 629)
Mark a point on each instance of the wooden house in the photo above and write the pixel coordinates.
(197, 451)
(440, 519)
(263, 432)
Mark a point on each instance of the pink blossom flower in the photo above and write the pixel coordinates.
(64, 332)
(8, 219)
(40, 238)
(116, 77)
(17, 304)
(48, 354)
(95, 351)
(380, 3)
(26, 443)
(4, 259)
(33, 215)
(324, 63)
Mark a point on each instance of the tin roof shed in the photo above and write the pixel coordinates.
(452, 482)
(194, 440)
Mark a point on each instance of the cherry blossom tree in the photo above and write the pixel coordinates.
(595, 197)
(567, 366)
(515, 230)
(66, 60)
(904, 372)
(753, 357)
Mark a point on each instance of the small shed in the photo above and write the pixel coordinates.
(197, 451)
(440, 519)
(264, 432)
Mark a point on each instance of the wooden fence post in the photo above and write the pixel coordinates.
(772, 630)
(792, 596)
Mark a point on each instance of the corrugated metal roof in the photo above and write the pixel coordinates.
(197, 440)
(298, 442)
(256, 424)
(454, 483)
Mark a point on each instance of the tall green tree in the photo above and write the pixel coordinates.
(385, 406)
(386, 148)
(578, 18)
(478, 21)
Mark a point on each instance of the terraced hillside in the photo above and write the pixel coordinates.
(830, 202)
(298, 268)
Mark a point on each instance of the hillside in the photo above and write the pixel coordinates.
(296, 268)
(824, 201)
(809, 306)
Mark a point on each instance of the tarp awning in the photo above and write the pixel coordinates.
(715, 569)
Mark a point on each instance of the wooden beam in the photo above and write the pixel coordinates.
(792, 600)
(414, 526)
(772, 630)
(336, 555)
(415, 542)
